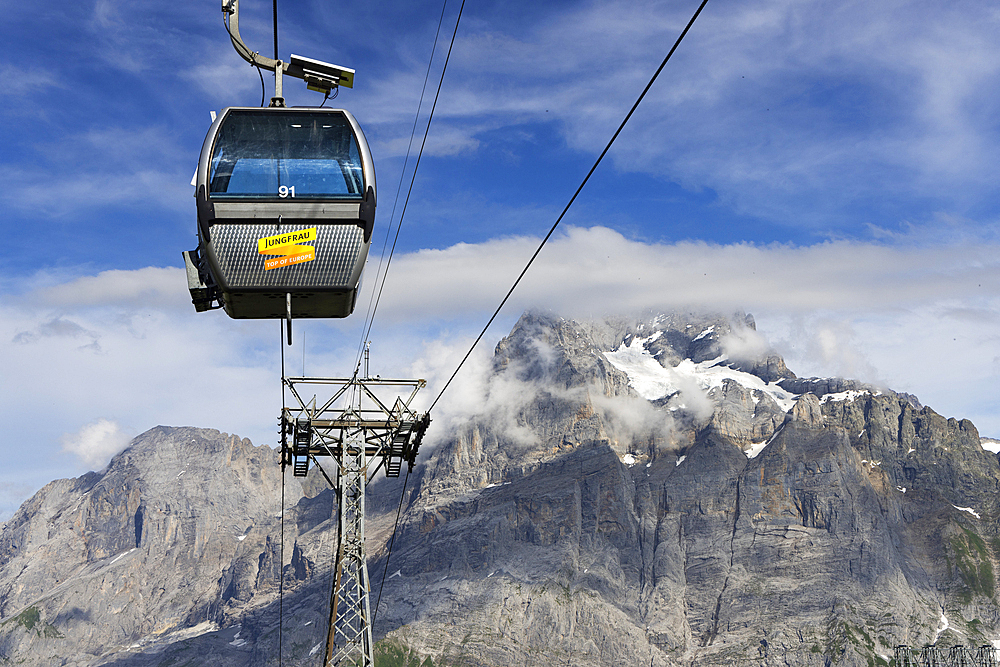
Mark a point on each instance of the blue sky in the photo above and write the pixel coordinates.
(828, 166)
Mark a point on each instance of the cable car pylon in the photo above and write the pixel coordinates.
(368, 432)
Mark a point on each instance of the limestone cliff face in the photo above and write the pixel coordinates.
(650, 492)
(174, 535)
(822, 525)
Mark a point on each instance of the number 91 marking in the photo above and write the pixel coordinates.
(285, 191)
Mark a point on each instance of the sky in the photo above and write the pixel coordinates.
(829, 167)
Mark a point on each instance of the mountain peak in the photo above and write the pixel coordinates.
(627, 491)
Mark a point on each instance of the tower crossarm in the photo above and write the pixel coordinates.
(360, 422)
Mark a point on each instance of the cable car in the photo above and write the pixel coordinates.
(286, 209)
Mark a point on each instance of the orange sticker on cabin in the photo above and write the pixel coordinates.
(286, 246)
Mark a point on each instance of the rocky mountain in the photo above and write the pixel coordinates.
(649, 491)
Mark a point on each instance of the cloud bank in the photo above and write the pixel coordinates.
(126, 346)
(597, 270)
(96, 443)
(815, 115)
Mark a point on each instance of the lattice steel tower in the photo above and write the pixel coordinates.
(368, 432)
(941, 656)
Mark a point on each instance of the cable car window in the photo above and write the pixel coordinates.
(267, 155)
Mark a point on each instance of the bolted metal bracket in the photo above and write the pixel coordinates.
(318, 75)
(205, 293)
(373, 427)
(288, 315)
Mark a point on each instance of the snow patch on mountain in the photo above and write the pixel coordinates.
(707, 332)
(990, 445)
(848, 395)
(653, 381)
(969, 510)
(943, 625)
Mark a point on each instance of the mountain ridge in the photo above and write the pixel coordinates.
(730, 520)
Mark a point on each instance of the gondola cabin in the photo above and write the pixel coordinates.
(286, 207)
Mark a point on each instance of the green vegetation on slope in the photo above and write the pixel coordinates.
(389, 653)
(31, 619)
(972, 564)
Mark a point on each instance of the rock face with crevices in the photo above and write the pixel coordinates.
(175, 538)
(796, 522)
(658, 491)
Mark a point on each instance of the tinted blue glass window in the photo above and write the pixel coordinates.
(264, 155)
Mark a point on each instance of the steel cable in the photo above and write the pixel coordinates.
(392, 540)
(416, 166)
(572, 199)
(274, 12)
(399, 186)
(281, 548)
(399, 225)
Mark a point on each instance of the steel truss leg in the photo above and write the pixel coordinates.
(940, 656)
(349, 642)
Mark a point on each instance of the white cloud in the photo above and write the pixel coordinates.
(693, 398)
(597, 270)
(501, 400)
(917, 318)
(791, 111)
(828, 343)
(744, 344)
(468, 392)
(126, 346)
(221, 69)
(96, 443)
(635, 420)
(120, 346)
(113, 165)
(24, 81)
(150, 286)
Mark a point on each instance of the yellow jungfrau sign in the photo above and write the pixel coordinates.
(285, 245)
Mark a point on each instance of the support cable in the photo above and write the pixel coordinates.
(225, 23)
(281, 548)
(392, 540)
(399, 225)
(572, 199)
(274, 12)
(416, 166)
(399, 185)
(281, 570)
(262, 90)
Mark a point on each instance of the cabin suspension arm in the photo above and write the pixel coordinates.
(318, 75)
